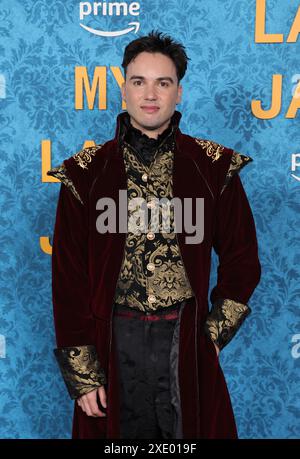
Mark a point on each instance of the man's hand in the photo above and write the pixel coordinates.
(88, 402)
(217, 350)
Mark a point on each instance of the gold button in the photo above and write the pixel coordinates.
(144, 177)
(151, 266)
(150, 204)
(150, 235)
(151, 298)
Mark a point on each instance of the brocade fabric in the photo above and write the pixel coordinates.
(80, 369)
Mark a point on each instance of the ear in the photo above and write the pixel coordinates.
(179, 94)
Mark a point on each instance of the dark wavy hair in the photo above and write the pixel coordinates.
(157, 42)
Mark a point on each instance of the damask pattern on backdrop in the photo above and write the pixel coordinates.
(41, 43)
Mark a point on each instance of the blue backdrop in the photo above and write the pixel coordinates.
(41, 43)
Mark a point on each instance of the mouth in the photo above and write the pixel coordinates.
(150, 108)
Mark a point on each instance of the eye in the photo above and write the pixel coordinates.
(138, 82)
(164, 83)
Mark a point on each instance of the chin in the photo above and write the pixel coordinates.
(146, 122)
(152, 127)
(153, 122)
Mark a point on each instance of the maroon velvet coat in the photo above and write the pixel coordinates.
(86, 266)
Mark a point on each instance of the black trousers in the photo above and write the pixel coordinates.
(143, 358)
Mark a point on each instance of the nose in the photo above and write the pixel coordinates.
(150, 92)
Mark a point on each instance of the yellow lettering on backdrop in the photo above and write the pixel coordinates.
(256, 105)
(260, 26)
(119, 79)
(82, 83)
(295, 103)
(45, 245)
(46, 161)
(295, 29)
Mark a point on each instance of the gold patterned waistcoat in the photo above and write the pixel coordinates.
(152, 274)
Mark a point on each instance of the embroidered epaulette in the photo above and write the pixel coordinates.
(213, 150)
(60, 173)
(84, 157)
(238, 161)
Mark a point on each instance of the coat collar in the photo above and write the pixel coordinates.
(120, 131)
(185, 148)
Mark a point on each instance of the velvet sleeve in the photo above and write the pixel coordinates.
(73, 319)
(239, 269)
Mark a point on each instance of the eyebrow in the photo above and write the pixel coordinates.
(134, 77)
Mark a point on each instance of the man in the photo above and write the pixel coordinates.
(136, 342)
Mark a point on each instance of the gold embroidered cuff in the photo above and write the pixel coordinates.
(80, 369)
(224, 320)
(60, 173)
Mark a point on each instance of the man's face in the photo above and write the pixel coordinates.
(151, 92)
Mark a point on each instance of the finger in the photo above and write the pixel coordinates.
(91, 399)
(86, 407)
(82, 405)
(216, 348)
(102, 396)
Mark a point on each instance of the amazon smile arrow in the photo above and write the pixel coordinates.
(103, 33)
